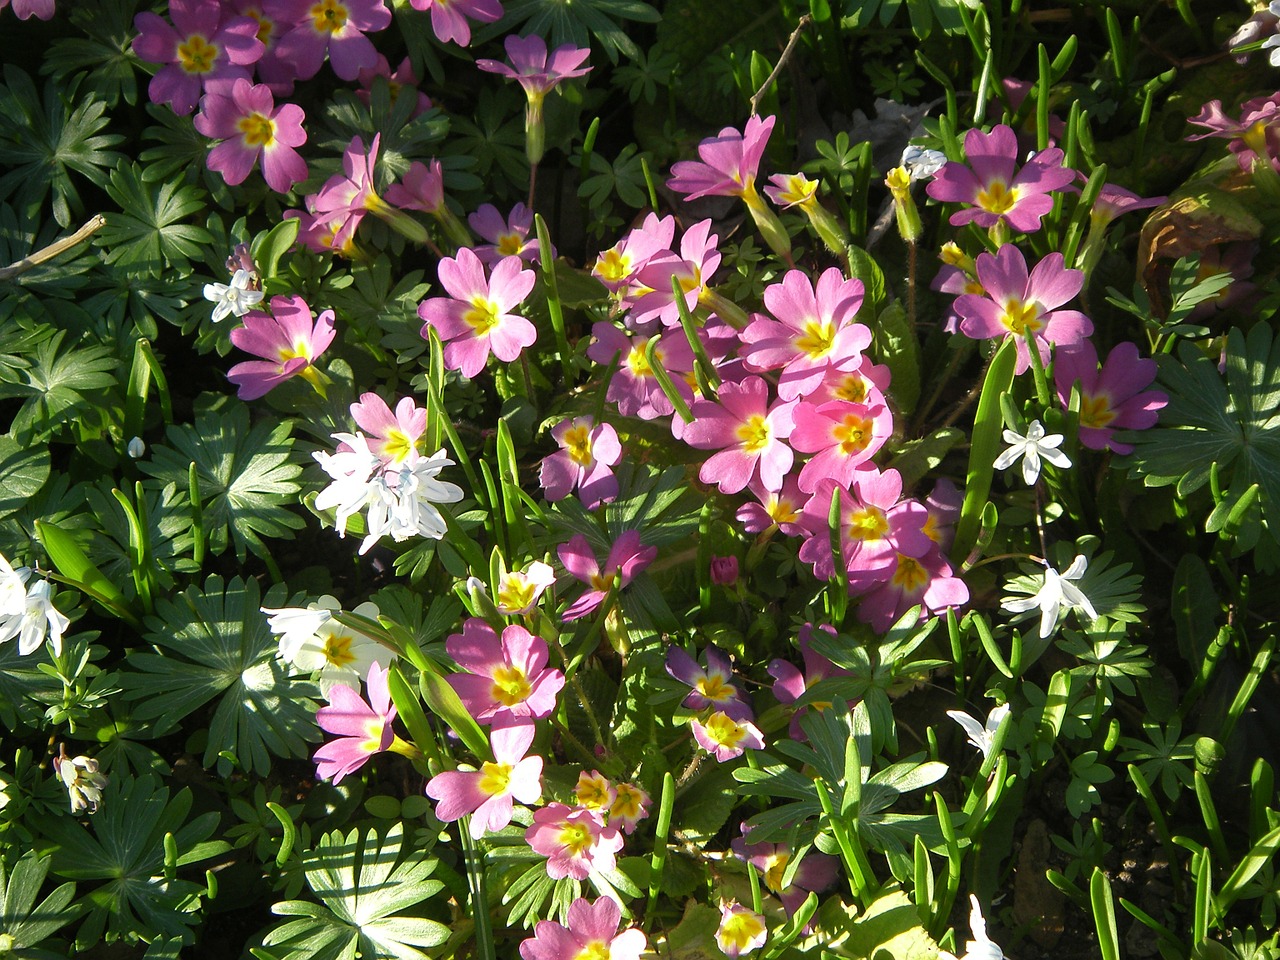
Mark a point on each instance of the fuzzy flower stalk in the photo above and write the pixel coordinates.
(795, 190)
(538, 73)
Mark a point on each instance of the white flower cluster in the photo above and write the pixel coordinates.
(27, 612)
(398, 500)
(312, 641)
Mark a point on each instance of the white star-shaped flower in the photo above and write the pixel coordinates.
(982, 736)
(234, 297)
(1057, 592)
(1031, 448)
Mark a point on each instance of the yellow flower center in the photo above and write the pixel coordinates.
(1095, 412)
(910, 575)
(265, 26)
(592, 792)
(399, 446)
(754, 434)
(510, 244)
(783, 511)
(851, 387)
(494, 778)
(953, 256)
(197, 55)
(372, 741)
(612, 266)
(638, 362)
(998, 197)
(576, 838)
(777, 866)
(817, 338)
(337, 649)
(300, 349)
(627, 803)
(602, 581)
(328, 15)
(510, 686)
(715, 689)
(483, 316)
(799, 189)
(577, 443)
(1021, 317)
(853, 434)
(974, 287)
(595, 950)
(1255, 138)
(869, 523)
(259, 131)
(740, 931)
(724, 730)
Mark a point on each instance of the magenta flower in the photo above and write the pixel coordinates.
(278, 75)
(25, 9)
(729, 163)
(333, 27)
(574, 840)
(1112, 398)
(422, 188)
(790, 684)
(394, 438)
(591, 933)
(287, 341)
(1016, 302)
(1255, 135)
(199, 47)
(926, 581)
(842, 436)
(651, 297)
(816, 872)
(865, 384)
(618, 266)
(713, 685)
(634, 387)
(489, 794)
(1115, 201)
(630, 806)
(748, 433)
(363, 728)
(252, 128)
(992, 189)
(401, 81)
(780, 508)
(507, 679)
(726, 738)
(741, 929)
(814, 332)
(538, 73)
(508, 237)
(476, 318)
(350, 194)
(626, 559)
(449, 17)
(587, 453)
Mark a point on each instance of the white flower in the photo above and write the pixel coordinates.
(13, 589)
(136, 448)
(341, 654)
(234, 297)
(402, 503)
(518, 590)
(1031, 448)
(980, 947)
(296, 625)
(1273, 44)
(36, 617)
(922, 163)
(1058, 591)
(83, 782)
(980, 735)
(351, 470)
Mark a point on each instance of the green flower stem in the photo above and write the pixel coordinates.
(767, 222)
(554, 308)
(454, 228)
(479, 895)
(861, 879)
(1037, 370)
(659, 858)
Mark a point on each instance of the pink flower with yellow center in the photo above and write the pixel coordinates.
(489, 794)
(252, 129)
(774, 508)
(590, 932)
(287, 341)
(741, 929)
(1016, 303)
(651, 297)
(790, 684)
(363, 728)
(817, 871)
(395, 438)
(518, 590)
(584, 462)
(925, 581)
(634, 387)
(333, 27)
(449, 17)
(1255, 136)
(750, 435)
(724, 737)
(842, 437)
(993, 187)
(813, 335)
(728, 163)
(507, 678)
(508, 236)
(618, 266)
(1113, 398)
(626, 559)
(202, 45)
(536, 71)
(574, 840)
(712, 686)
(629, 807)
(476, 319)
(594, 791)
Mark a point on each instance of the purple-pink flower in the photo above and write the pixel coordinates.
(507, 678)
(421, 188)
(634, 387)
(590, 932)
(841, 435)
(1255, 135)
(926, 581)
(508, 237)
(994, 188)
(749, 434)
(1113, 398)
(816, 872)
(1016, 303)
(490, 793)
(587, 453)
(726, 738)
(626, 559)
(476, 319)
(363, 729)
(712, 686)
(333, 27)
(25, 9)
(288, 342)
(729, 163)
(533, 69)
(201, 46)
(392, 437)
(252, 129)
(449, 17)
(574, 840)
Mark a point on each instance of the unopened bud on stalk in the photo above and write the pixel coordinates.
(904, 206)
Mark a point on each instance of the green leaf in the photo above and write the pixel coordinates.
(151, 231)
(25, 469)
(104, 55)
(987, 427)
(55, 385)
(575, 23)
(22, 923)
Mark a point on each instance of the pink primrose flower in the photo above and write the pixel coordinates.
(203, 46)
(590, 933)
(395, 438)
(277, 74)
(476, 318)
(741, 929)
(651, 298)
(629, 807)
(1255, 135)
(252, 128)
(814, 332)
(403, 80)
(350, 193)
(618, 266)
(507, 679)
(865, 384)
(507, 237)
(1015, 302)
(626, 559)
(1113, 398)
(321, 234)
(490, 793)
(594, 791)
(724, 571)
(574, 840)
(1114, 201)
(25, 9)
(363, 729)
(728, 165)
(726, 738)
(816, 872)
(538, 73)
(287, 341)
(790, 684)
(422, 188)
(518, 590)
(943, 505)
(926, 580)
(875, 526)
(587, 453)
(333, 27)
(713, 685)
(787, 190)
(634, 387)
(780, 508)
(749, 434)
(842, 436)
(449, 17)
(992, 189)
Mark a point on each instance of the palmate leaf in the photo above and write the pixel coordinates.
(1230, 423)
(49, 291)
(574, 23)
(246, 475)
(862, 13)
(126, 849)
(363, 884)
(105, 53)
(149, 233)
(23, 923)
(43, 142)
(215, 641)
(56, 383)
